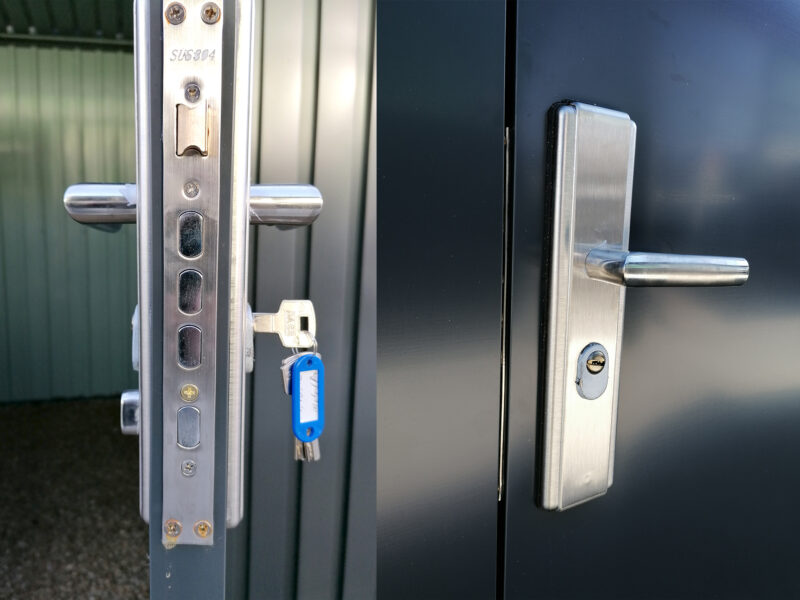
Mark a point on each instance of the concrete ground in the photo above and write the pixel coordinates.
(69, 497)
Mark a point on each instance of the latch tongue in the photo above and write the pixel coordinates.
(191, 128)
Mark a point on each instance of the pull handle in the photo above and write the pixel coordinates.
(650, 269)
(107, 206)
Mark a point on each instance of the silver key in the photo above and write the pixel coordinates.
(295, 323)
(306, 451)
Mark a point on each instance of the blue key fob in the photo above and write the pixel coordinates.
(308, 397)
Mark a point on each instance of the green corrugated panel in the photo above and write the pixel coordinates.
(66, 291)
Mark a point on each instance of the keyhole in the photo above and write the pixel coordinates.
(596, 362)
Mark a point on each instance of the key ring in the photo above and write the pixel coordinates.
(314, 346)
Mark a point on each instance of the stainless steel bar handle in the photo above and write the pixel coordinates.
(108, 206)
(650, 269)
(284, 205)
(105, 206)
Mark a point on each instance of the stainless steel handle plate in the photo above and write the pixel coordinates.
(590, 268)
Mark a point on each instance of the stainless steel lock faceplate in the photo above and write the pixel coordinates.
(592, 190)
(590, 265)
(192, 62)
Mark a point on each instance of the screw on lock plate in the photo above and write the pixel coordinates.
(210, 13)
(295, 323)
(175, 13)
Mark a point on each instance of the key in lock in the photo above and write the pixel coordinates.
(295, 323)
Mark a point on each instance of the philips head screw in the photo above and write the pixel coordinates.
(175, 13)
(202, 529)
(191, 189)
(209, 13)
(189, 392)
(188, 468)
(192, 92)
(172, 528)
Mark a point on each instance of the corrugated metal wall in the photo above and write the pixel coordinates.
(312, 526)
(66, 291)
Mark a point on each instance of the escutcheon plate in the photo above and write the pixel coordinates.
(593, 177)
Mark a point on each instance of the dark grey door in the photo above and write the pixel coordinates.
(706, 477)
(440, 222)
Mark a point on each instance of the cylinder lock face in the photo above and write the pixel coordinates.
(592, 374)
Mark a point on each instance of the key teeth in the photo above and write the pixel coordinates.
(306, 451)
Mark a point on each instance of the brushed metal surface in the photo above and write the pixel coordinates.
(652, 269)
(592, 193)
(109, 205)
(190, 499)
(594, 157)
(144, 243)
(129, 414)
(238, 249)
(287, 205)
(188, 430)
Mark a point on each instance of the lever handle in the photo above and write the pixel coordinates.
(649, 269)
(104, 206)
(107, 206)
(284, 205)
(592, 186)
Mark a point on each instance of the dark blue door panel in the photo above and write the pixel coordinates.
(704, 496)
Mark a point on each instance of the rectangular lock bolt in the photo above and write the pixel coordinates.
(191, 128)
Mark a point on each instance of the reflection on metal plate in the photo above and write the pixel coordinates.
(592, 189)
(190, 292)
(589, 269)
(190, 234)
(188, 427)
(190, 238)
(190, 347)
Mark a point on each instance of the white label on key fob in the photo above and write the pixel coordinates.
(309, 396)
(286, 369)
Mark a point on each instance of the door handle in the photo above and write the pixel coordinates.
(107, 206)
(591, 185)
(649, 269)
(192, 205)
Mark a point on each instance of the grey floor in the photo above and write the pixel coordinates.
(69, 520)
